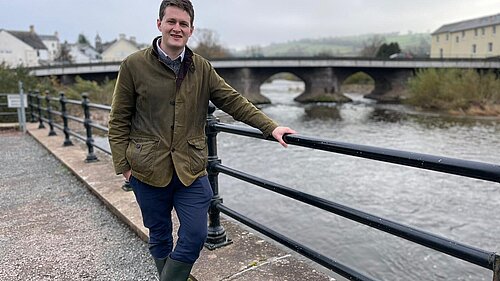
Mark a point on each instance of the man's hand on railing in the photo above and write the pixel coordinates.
(279, 132)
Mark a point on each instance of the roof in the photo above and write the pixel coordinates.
(48, 37)
(29, 38)
(469, 24)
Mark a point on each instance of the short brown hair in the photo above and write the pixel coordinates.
(182, 4)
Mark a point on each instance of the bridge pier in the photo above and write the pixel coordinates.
(322, 85)
(247, 82)
(390, 85)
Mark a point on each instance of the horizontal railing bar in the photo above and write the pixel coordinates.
(104, 149)
(467, 168)
(58, 126)
(337, 267)
(99, 127)
(99, 106)
(75, 102)
(453, 248)
(239, 130)
(55, 112)
(73, 118)
(78, 136)
(472, 169)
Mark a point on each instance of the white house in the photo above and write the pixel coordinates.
(22, 48)
(83, 53)
(119, 49)
(53, 45)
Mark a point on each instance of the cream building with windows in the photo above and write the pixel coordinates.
(475, 38)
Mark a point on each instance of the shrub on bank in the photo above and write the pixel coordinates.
(454, 89)
(98, 93)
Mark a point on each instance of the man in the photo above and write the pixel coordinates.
(157, 136)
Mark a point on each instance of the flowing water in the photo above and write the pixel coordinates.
(459, 208)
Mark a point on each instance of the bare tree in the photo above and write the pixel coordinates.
(207, 44)
(371, 46)
(254, 51)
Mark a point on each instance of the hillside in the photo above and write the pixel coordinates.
(416, 43)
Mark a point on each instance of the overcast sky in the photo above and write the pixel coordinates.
(241, 23)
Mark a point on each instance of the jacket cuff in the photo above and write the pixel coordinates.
(121, 169)
(267, 132)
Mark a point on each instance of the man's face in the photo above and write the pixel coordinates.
(175, 28)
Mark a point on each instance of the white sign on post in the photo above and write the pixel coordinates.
(14, 101)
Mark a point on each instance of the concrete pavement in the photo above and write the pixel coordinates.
(249, 257)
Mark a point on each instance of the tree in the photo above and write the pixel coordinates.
(82, 39)
(64, 55)
(254, 51)
(207, 44)
(371, 46)
(386, 50)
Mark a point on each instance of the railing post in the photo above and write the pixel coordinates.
(39, 102)
(496, 268)
(49, 114)
(217, 236)
(31, 101)
(64, 116)
(91, 157)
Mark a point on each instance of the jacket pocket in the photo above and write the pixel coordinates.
(141, 155)
(197, 151)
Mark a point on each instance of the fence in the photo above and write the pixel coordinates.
(7, 114)
(217, 236)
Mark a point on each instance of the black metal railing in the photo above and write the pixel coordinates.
(6, 113)
(217, 236)
(486, 259)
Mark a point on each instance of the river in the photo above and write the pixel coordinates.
(455, 207)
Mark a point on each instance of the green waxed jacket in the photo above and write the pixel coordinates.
(157, 120)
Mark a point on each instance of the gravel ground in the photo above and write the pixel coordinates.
(53, 228)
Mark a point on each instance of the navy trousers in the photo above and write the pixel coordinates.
(191, 205)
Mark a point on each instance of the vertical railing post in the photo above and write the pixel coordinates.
(91, 157)
(49, 114)
(496, 268)
(31, 102)
(39, 105)
(64, 116)
(217, 236)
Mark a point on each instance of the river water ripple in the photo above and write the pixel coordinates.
(455, 207)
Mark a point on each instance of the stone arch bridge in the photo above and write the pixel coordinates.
(323, 77)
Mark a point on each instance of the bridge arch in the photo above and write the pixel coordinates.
(359, 82)
(282, 83)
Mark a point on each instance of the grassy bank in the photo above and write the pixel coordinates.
(456, 91)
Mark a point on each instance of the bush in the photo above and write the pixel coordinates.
(453, 89)
(359, 78)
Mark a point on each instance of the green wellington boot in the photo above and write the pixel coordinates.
(175, 270)
(160, 264)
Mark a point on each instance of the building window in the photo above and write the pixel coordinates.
(490, 47)
(463, 34)
(494, 29)
(475, 31)
(447, 37)
(474, 47)
(437, 38)
(482, 31)
(456, 39)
